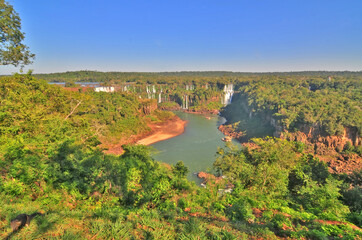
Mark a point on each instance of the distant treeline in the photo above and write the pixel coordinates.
(162, 77)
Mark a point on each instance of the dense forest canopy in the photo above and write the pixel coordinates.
(160, 77)
(332, 104)
(332, 100)
(51, 160)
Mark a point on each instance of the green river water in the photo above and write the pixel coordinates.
(196, 147)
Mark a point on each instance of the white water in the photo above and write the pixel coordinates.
(228, 94)
(185, 102)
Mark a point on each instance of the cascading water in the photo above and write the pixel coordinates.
(153, 92)
(228, 94)
(185, 102)
(148, 92)
(160, 96)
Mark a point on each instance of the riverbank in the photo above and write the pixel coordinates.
(163, 131)
(159, 131)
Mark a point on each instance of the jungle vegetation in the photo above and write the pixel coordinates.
(327, 105)
(330, 101)
(51, 161)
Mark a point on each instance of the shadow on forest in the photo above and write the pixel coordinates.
(45, 223)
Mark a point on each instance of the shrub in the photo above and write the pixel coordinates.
(241, 210)
(281, 224)
(356, 218)
(13, 187)
(182, 203)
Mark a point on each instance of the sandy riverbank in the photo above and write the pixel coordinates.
(159, 132)
(163, 131)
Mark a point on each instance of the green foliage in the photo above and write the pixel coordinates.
(309, 168)
(164, 115)
(51, 160)
(180, 169)
(12, 50)
(280, 223)
(316, 190)
(322, 200)
(268, 174)
(241, 210)
(353, 199)
(295, 103)
(13, 187)
(356, 218)
(183, 203)
(264, 168)
(169, 105)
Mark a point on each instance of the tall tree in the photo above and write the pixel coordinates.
(12, 50)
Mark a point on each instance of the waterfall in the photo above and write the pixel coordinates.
(185, 102)
(149, 96)
(228, 94)
(153, 92)
(160, 96)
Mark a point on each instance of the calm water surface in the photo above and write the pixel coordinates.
(196, 147)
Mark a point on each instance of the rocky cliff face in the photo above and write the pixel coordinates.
(148, 106)
(313, 134)
(327, 148)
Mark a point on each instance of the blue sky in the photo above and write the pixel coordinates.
(195, 35)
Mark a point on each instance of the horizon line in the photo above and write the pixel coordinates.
(201, 71)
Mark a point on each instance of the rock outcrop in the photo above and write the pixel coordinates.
(314, 134)
(148, 106)
(328, 148)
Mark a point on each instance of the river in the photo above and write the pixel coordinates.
(196, 147)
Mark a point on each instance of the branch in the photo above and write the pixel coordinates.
(79, 102)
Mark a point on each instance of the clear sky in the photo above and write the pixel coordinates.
(192, 35)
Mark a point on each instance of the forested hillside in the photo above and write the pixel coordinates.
(51, 161)
(322, 112)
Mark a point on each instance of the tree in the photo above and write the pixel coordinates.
(12, 50)
(180, 169)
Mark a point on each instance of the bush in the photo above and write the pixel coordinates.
(315, 234)
(281, 224)
(182, 203)
(356, 218)
(241, 210)
(179, 169)
(13, 187)
(353, 199)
